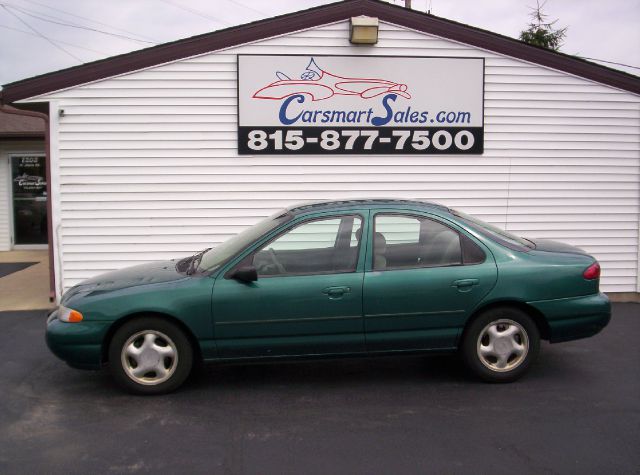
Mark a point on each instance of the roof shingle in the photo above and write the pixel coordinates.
(20, 126)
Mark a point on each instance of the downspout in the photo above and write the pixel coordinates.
(10, 110)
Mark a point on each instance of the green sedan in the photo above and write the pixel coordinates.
(342, 278)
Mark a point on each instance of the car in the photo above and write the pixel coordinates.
(340, 279)
(320, 85)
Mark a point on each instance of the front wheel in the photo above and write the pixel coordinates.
(150, 356)
(500, 345)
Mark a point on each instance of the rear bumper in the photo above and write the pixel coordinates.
(576, 317)
(78, 344)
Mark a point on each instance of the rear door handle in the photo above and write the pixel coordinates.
(465, 285)
(336, 292)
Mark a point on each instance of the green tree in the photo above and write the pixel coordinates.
(542, 32)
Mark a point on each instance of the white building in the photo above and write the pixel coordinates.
(148, 160)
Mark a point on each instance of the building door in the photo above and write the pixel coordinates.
(29, 183)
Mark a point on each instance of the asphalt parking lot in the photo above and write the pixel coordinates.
(578, 411)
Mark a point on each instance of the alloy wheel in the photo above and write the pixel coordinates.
(149, 357)
(502, 345)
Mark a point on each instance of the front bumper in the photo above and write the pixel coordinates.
(575, 317)
(78, 344)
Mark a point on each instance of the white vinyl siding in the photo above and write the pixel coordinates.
(148, 167)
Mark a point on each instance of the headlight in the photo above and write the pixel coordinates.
(69, 315)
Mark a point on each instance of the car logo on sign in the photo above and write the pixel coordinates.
(321, 84)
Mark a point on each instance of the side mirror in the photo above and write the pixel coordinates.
(245, 274)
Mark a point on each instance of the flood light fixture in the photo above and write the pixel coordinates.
(364, 30)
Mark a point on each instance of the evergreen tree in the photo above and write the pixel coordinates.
(541, 32)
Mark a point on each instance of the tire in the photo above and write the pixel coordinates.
(500, 345)
(155, 345)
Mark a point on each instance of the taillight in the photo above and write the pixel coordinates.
(592, 272)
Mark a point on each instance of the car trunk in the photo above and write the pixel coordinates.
(548, 245)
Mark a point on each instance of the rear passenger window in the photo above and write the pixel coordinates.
(402, 241)
(398, 229)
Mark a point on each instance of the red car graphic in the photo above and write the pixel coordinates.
(321, 85)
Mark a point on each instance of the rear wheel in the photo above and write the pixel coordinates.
(500, 345)
(150, 356)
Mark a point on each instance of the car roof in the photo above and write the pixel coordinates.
(364, 202)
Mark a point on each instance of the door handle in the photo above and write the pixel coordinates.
(465, 285)
(336, 292)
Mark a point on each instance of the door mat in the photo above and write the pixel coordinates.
(7, 268)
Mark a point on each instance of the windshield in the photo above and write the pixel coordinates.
(493, 232)
(214, 258)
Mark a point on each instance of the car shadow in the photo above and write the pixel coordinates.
(553, 366)
(353, 372)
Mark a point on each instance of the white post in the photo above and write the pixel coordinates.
(54, 163)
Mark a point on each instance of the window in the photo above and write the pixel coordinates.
(494, 233)
(402, 241)
(321, 246)
(214, 258)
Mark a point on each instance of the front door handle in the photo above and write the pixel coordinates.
(336, 292)
(465, 285)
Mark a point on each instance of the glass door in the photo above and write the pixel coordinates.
(28, 174)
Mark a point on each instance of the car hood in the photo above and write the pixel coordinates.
(144, 274)
(548, 245)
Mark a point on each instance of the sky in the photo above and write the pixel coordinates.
(40, 36)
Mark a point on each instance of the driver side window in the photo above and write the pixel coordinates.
(321, 246)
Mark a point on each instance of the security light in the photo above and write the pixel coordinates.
(364, 30)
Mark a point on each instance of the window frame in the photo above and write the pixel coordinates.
(248, 259)
(216, 270)
(371, 257)
(495, 237)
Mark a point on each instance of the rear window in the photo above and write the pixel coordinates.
(494, 233)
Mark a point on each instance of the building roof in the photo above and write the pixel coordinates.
(310, 18)
(13, 126)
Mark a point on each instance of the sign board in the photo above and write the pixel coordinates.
(29, 177)
(301, 104)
